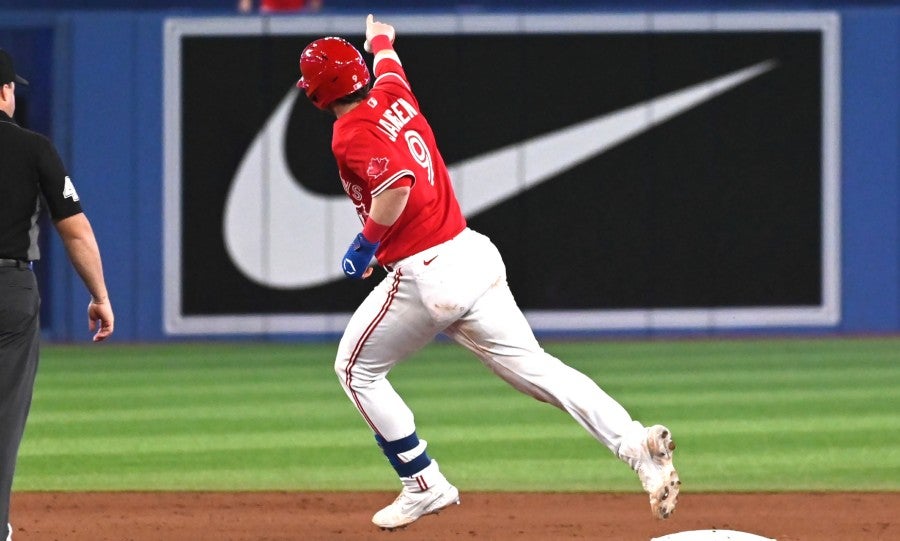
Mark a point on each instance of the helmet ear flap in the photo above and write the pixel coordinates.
(331, 68)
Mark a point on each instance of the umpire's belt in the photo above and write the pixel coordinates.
(18, 263)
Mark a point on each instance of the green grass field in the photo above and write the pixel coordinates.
(748, 415)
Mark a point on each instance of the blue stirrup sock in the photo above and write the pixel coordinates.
(407, 455)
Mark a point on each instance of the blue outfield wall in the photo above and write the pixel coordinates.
(107, 120)
(871, 171)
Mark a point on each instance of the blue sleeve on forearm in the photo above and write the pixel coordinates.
(358, 256)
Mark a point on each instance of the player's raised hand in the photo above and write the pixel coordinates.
(375, 28)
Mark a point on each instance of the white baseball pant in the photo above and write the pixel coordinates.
(459, 288)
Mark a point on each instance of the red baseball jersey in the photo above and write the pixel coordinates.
(386, 142)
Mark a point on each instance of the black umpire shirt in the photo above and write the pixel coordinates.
(30, 168)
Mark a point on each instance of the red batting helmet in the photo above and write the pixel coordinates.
(331, 68)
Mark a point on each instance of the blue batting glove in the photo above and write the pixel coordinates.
(358, 256)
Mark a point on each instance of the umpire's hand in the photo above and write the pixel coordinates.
(101, 319)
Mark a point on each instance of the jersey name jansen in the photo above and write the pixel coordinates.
(395, 117)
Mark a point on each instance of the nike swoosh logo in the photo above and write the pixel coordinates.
(283, 236)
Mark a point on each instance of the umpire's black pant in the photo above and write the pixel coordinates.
(19, 348)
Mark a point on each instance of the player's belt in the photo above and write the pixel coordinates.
(18, 263)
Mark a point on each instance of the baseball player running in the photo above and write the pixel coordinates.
(442, 278)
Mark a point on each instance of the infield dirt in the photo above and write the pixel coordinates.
(296, 516)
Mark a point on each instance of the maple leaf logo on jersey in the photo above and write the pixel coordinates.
(377, 166)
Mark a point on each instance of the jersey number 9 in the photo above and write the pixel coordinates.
(419, 152)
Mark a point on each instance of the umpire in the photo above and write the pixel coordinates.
(32, 175)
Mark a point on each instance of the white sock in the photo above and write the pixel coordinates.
(429, 477)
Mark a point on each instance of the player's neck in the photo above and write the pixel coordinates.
(341, 109)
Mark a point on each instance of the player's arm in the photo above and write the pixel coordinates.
(386, 207)
(389, 180)
(380, 42)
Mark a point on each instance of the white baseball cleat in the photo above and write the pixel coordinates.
(651, 457)
(9, 537)
(410, 506)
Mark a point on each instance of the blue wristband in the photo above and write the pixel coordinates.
(358, 256)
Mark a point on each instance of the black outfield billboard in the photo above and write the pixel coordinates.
(635, 171)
